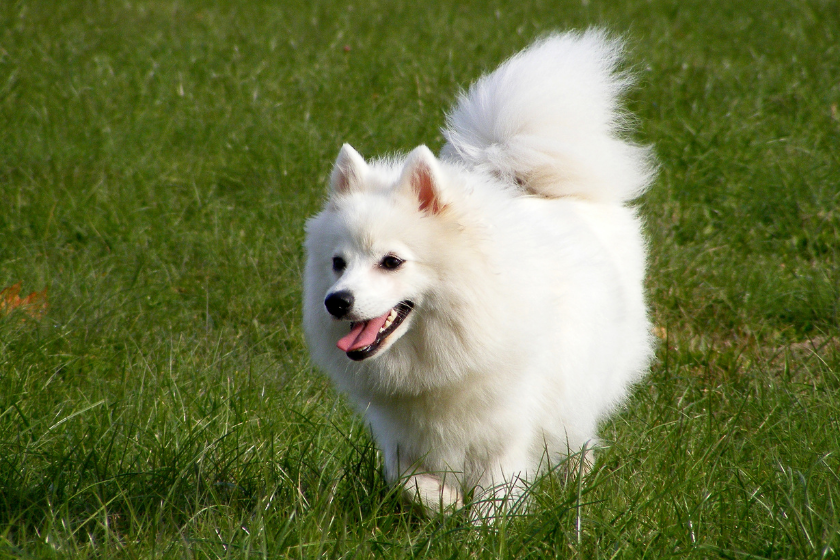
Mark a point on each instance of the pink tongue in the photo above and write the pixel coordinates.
(362, 334)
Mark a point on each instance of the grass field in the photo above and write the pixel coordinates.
(158, 159)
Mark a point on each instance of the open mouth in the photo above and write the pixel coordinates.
(366, 337)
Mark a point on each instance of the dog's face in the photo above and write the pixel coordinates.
(366, 277)
(374, 291)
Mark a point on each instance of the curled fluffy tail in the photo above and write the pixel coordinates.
(549, 119)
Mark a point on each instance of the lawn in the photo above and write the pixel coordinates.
(158, 159)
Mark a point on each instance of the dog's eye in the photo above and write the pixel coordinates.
(339, 264)
(391, 262)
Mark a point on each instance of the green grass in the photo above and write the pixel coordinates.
(158, 160)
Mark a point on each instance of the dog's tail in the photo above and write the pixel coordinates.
(549, 119)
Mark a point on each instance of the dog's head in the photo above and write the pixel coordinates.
(368, 267)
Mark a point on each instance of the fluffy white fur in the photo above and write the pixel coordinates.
(524, 266)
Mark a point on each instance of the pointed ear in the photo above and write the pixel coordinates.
(349, 170)
(422, 174)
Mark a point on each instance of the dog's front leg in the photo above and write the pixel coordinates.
(433, 492)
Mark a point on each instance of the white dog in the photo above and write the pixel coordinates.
(484, 310)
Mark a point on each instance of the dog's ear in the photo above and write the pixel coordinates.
(348, 172)
(422, 175)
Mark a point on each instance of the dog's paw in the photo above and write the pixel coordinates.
(432, 494)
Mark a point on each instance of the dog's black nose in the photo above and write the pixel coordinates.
(339, 303)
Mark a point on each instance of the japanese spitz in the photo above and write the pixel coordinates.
(484, 309)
